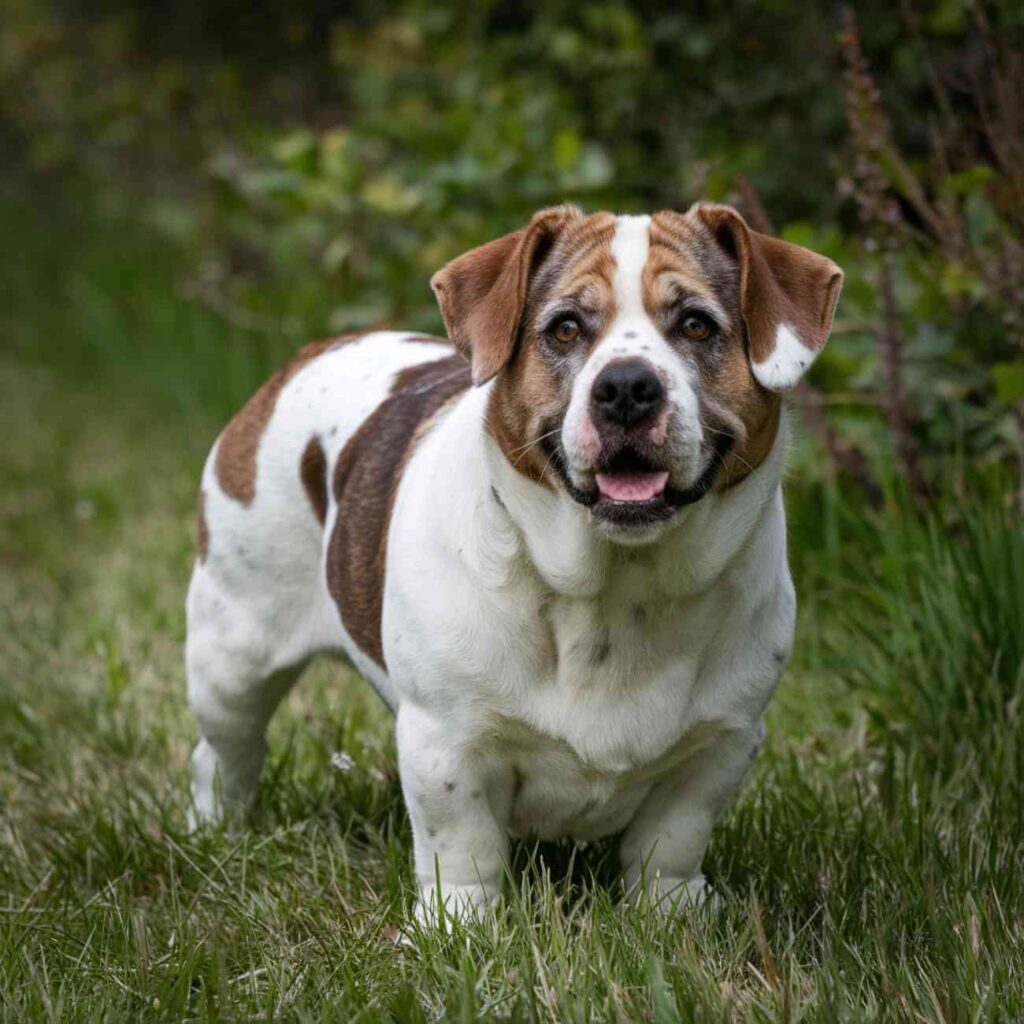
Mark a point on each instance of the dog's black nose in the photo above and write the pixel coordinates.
(627, 392)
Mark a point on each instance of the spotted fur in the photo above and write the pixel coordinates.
(240, 441)
(313, 472)
(563, 660)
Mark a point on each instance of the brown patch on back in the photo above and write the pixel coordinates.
(365, 482)
(685, 256)
(528, 395)
(235, 463)
(313, 473)
(202, 530)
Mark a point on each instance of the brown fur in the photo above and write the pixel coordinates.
(779, 283)
(365, 481)
(202, 529)
(482, 293)
(313, 473)
(708, 252)
(529, 395)
(685, 257)
(239, 443)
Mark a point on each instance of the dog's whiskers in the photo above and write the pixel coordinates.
(526, 448)
(739, 458)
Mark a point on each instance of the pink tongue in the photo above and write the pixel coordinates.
(631, 486)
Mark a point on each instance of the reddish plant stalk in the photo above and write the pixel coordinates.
(889, 339)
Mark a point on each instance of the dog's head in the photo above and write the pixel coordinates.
(639, 360)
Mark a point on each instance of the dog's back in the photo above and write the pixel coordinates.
(298, 470)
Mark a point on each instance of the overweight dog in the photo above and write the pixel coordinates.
(556, 546)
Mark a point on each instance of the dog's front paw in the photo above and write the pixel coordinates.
(668, 894)
(206, 807)
(457, 902)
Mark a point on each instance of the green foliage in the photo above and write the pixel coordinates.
(323, 164)
(934, 637)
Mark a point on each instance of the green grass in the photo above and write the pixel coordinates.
(871, 867)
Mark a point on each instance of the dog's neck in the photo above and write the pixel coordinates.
(570, 553)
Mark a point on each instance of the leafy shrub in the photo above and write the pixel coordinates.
(320, 165)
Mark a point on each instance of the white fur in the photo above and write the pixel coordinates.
(630, 245)
(789, 361)
(547, 680)
(258, 607)
(510, 707)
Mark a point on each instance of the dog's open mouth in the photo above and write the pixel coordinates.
(630, 491)
(629, 477)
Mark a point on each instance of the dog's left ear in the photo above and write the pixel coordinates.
(788, 296)
(482, 293)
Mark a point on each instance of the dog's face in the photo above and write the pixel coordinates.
(639, 360)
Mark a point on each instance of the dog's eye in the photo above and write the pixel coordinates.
(566, 331)
(695, 326)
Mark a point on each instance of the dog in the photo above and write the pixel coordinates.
(555, 545)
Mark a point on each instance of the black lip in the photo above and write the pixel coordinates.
(639, 514)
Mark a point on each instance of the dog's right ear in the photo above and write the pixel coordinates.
(482, 294)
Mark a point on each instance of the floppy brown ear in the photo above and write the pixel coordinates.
(483, 292)
(788, 296)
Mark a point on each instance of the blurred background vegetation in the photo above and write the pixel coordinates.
(311, 164)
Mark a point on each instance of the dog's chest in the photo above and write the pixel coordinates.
(605, 701)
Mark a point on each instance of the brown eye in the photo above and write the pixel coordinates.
(695, 327)
(567, 330)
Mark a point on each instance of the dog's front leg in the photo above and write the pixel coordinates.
(664, 844)
(458, 842)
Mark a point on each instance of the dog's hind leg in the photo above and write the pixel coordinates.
(237, 676)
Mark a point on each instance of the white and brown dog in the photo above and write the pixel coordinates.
(568, 581)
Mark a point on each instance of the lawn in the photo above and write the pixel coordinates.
(870, 869)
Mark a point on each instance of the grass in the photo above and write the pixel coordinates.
(871, 867)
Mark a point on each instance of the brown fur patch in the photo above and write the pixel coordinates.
(365, 481)
(483, 292)
(240, 441)
(780, 283)
(760, 414)
(685, 258)
(313, 473)
(673, 264)
(202, 529)
(755, 282)
(529, 394)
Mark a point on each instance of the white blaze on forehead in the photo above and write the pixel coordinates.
(788, 362)
(630, 245)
